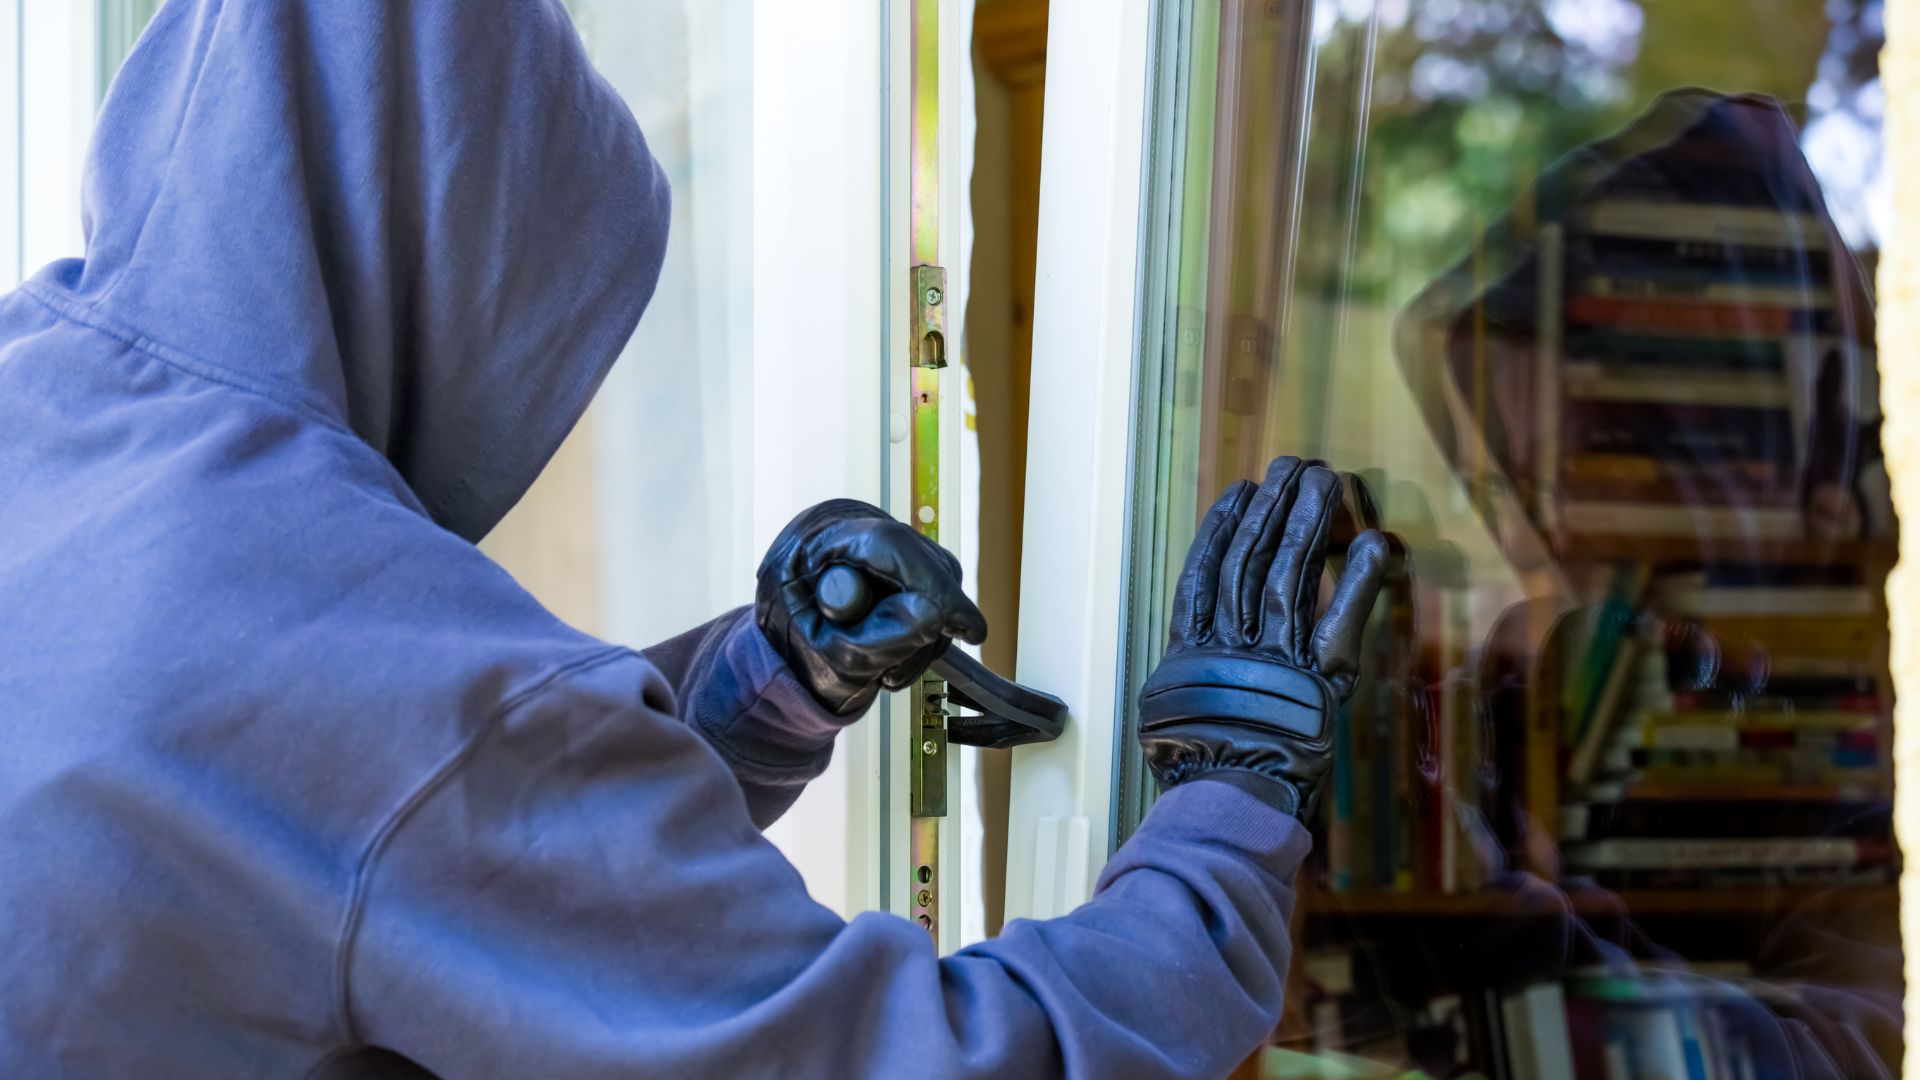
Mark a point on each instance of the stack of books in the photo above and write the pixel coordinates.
(1701, 728)
(1751, 740)
(1405, 804)
(1675, 343)
(1588, 1025)
(1348, 1033)
(1601, 1027)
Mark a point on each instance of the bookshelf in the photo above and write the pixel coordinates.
(1673, 756)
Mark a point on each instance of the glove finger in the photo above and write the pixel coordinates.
(1359, 511)
(787, 552)
(896, 627)
(903, 674)
(1243, 572)
(1366, 507)
(899, 559)
(1199, 588)
(963, 618)
(1336, 641)
(966, 623)
(1293, 583)
(886, 550)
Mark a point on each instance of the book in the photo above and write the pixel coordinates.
(1607, 711)
(1663, 283)
(1717, 737)
(1442, 807)
(1590, 381)
(1774, 575)
(1543, 720)
(1706, 600)
(1614, 621)
(1538, 1044)
(1648, 469)
(1617, 348)
(1657, 1049)
(1664, 430)
(1816, 693)
(1669, 220)
(1547, 389)
(1678, 316)
(1754, 781)
(1804, 765)
(1715, 492)
(1340, 821)
(1651, 723)
(1586, 1038)
(1848, 637)
(1715, 258)
(1722, 853)
(1659, 519)
(1731, 818)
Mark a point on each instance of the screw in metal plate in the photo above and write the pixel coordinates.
(934, 296)
(927, 747)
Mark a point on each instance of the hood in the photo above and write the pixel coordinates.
(430, 222)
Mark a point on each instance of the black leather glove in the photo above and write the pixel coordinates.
(919, 609)
(1251, 682)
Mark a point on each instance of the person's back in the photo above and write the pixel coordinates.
(235, 643)
(298, 782)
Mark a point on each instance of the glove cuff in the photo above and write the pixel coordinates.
(1244, 688)
(1273, 791)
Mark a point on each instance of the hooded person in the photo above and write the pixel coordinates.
(299, 783)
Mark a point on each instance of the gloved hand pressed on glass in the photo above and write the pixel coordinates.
(920, 607)
(1251, 682)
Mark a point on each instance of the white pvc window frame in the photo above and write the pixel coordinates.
(1080, 445)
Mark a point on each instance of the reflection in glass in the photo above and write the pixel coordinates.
(1583, 290)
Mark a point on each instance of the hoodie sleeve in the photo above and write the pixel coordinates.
(582, 893)
(734, 691)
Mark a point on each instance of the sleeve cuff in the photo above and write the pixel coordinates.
(1274, 792)
(1213, 809)
(754, 709)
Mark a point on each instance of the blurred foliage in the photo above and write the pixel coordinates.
(1471, 99)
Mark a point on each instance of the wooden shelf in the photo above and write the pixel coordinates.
(1547, 901)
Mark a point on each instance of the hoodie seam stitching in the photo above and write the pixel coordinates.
(431, 785)
(93, 319)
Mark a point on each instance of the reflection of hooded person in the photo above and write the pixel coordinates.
(1470, 344)
(1471, 347)
(298, 782)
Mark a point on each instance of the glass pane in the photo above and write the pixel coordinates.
(1615, 788)
(656, 475)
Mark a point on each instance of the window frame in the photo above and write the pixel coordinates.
(1081, 429)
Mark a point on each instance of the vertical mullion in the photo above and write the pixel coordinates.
(928, 746)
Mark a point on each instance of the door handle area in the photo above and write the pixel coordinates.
(1005, 713)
